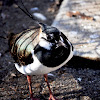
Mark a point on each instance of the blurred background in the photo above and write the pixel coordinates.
(79, 20)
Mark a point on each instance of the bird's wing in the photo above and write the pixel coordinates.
(21, 45)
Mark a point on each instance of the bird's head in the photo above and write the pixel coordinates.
(49, 33)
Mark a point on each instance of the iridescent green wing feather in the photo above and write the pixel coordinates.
(21, 45)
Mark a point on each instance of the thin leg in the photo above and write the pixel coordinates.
(30, 87)
(51, 95)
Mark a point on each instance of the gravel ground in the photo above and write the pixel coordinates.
(77, 80)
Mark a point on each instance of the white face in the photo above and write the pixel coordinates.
(43, 43)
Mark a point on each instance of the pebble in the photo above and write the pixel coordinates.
(94, 36)
(40, 16)
(13, 75)
(49, 74)
(9, 62)
(79, 79)
(3, 15)
(34, 9)
(97, 17)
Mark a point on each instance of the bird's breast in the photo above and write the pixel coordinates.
(53, 57)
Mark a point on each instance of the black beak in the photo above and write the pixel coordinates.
(43, 26)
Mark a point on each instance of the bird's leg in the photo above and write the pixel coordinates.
(30, 87)
(51, 95)
(29, 83)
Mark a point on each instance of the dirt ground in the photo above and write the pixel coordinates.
(77, 80)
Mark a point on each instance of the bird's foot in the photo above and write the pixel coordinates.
(52, 98)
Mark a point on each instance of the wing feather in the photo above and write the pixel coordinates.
(21, 45)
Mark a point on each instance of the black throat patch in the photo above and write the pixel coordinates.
(53, 57)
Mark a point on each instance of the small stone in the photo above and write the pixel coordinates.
(13, 75)
(3, 15)
(51, 77)
(85, 98)
(34, 9)
(40, 16)
(97, 17)
(49, 74)
(37, 85)
(9, 62)
(94, 36)
(79, 79)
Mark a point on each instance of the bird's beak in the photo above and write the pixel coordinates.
(43, 26)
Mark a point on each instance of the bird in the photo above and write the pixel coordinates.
(39, 51)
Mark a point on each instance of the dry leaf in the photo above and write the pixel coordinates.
(79, 15)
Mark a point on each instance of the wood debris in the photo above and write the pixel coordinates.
(79, 15)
